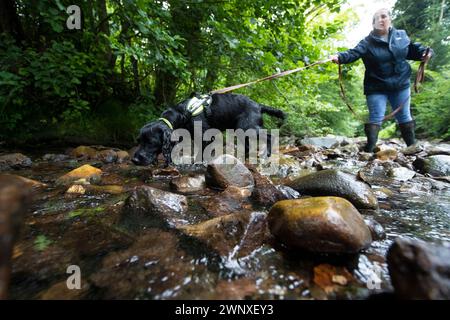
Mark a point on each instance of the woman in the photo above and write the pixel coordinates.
(387, 77)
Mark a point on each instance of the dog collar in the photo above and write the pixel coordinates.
(166, 122)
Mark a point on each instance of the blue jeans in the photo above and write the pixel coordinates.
(377, 105)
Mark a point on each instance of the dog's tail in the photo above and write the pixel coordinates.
(273, 112)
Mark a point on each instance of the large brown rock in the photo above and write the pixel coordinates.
(225, 171)
(338, 184)
(87, 172)
(419, 270)
(322, 224)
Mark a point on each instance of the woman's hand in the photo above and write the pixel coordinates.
(426, 57)
(334, 58)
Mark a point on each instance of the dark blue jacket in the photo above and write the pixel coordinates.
(385, 62)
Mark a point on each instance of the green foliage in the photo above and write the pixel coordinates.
(133, 58)
(431, 106)
(85, 212)
(42, 242)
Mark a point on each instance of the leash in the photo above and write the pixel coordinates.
(273, 76)
(420, 78)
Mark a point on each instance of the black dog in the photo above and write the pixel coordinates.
(226, 111)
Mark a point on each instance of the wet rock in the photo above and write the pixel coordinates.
(103, 154)
(108, 189)
(238, 289)
(122, 156)
(415, 187)
(383, 193)
(14, 161)
(90, 237)
(378, 173)
(76, 189)
(412, 149)
(443, 149)
(282, 166)
(437, 183)
(404, 161)
(419, 270)
(332, 154)
(339, 184)
(322, 224)
(151, 268)
(225, 171)
(323, 142)
(350, 149)
(376, 229)
(401, 174)
(84, 152)
(387, 155)
(365, 156)
(265, 193)
(107, 156)
(59, 291)
(234, 234)
(435, 165)
(169, 172)
(301, 151)
(331, 278)
(288, 192)
(151, 207)
(43, 264)
(87, 172)
(28, 183)
(232, 200)
(188, 184)
(55, 157)
(14, 195)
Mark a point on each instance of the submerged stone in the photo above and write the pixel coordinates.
(236, 234)
(151, 207)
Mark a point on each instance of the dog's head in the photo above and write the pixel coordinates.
(153, 139)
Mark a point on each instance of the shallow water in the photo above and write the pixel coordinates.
(166, 264)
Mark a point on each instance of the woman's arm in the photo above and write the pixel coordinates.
(351, 55)
(416, 51)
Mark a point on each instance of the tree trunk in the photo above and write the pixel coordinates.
(165, 88)
(104, 28)
(441, 15)
(137, 87)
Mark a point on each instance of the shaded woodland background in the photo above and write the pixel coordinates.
(132, 59)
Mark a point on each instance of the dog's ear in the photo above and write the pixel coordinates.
(167, 147)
